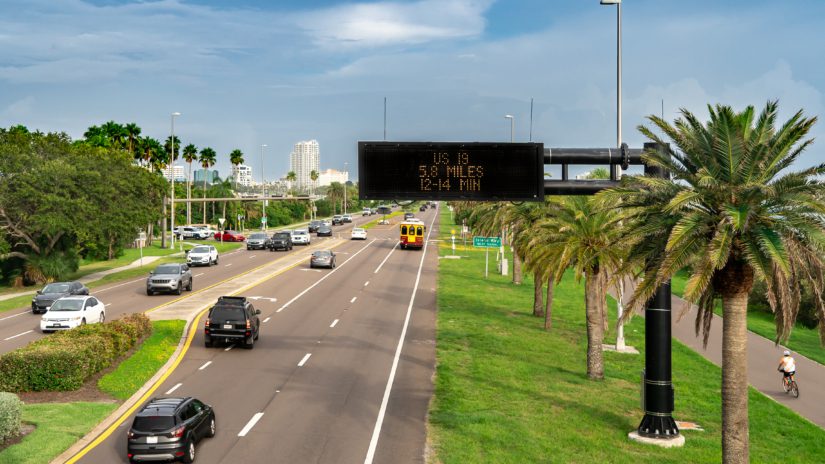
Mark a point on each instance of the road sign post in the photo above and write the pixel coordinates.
(221, 221)
(486, 243)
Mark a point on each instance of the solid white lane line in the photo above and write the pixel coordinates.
(267, 319)
(385, 259)
(324, 277)
(205, 365)
(198, 275)
(169, 392)
(229, 347)
(383, 410)
(250, 424)
(227, 265)
(334, 323)
(304, 361)
(353, 299)
(14, 315)
(252, 256)
(18, 335)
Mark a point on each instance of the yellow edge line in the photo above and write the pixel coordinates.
(192, 329)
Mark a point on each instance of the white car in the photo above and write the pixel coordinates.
(300, 237)
(202, 255)
(72, 311)
(359, 233)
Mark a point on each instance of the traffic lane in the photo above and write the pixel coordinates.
(326, 413)
(271, 358)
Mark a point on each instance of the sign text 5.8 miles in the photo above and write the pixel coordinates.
(450, 171)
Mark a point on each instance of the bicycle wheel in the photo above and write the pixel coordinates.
(784, 385)
(794, 389)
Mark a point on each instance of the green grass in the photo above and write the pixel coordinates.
(803, 340)
(58, 426)
(131, 374)
(506, 391)
(374, 222)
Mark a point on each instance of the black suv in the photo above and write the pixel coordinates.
(168, 429)
(233, 319)
(280, 241)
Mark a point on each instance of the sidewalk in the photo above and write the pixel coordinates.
(763, 358)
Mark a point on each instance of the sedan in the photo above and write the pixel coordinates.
(359, 233)
(325, 231)
(72, 311)
(322, 258)
(229, 236)
(53, 291)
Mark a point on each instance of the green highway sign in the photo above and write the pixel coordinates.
(486, 242)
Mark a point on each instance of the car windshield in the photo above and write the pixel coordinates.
(300, 232)
(56, 288)
(322, 254)
(357, 229)
(258, 236)
(153, 423)
(200, 249)
(67, 305)
(281, 235)
(167, 269)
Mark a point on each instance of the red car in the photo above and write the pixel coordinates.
(229, 236)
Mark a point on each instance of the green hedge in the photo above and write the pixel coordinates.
(63, 361)
(11, 410)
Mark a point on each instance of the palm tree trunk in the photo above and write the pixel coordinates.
(516, 269)
(548, 308)
(189, 195)
(735, 436)
(594, 300)
(204, 199)
(538, 297)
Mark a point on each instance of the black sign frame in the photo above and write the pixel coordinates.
(491, 171)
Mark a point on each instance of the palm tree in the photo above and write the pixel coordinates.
(736, 213)
(116, 133)
(167, 145)
(132, 136)
(291, 177)
(236, 158)
(577, 234)
(96, 137)
(208, 158)
(190, 154)
(313, 175)
(335, 192)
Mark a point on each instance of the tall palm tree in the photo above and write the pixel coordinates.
(208, 158)
(132, 136)
(236, 158)
(313, 175)
(190, 155)
(335, 192)
(736, 213)
(291, 177)
(580, 235)
(167, 145)
(116, 134)
(97, 137)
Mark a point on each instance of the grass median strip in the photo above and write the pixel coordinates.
(507, 391)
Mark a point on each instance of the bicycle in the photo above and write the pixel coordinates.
(789, 385)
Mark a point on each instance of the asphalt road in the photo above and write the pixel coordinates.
(342, 372)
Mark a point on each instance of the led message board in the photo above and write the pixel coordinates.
(474, 171)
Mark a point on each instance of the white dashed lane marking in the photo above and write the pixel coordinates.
(205, 365)
(334, 323)
(304, 361)
(169, 392)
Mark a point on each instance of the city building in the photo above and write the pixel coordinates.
(329, 176)
(242, 175)
(211, 176)
(179, 175)
(302, 161)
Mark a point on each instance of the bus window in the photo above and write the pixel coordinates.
(403, 230)
(420, 231)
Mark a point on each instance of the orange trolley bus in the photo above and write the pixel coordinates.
(412, 234)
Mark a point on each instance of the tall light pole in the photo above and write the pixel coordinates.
(512, 124)
(263, 190)
(172, 178)
(345, 186)
(618, 4)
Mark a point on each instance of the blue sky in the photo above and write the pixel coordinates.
(245, 73)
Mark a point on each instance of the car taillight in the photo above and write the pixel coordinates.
(178, 432)
(206, 326)
(248, 324)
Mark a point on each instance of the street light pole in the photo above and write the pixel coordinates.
(512, 124)
(172, 178)
(345, 186)
(263, 190)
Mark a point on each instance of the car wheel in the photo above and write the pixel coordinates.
(212, 428)
(250, 342)
(47, 331)
(179, 290)
(208, 343)
(216, 260)
(189, 457)
(102, 318)
(149, 292)
(83, 321)
(189, 287)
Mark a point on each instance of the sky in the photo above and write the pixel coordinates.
(244, 73)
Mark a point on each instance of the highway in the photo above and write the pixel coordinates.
(342, 372)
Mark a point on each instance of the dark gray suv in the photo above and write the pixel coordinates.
(172, 277)
(44, 298)
(168, 429)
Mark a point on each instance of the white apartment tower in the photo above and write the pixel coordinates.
(242, 175)
(303, 160)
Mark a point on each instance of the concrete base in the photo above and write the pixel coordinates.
(676, 442)
(626, 349)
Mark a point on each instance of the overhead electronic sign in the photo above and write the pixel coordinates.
(474, 171)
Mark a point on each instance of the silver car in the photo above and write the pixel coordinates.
(172, 277)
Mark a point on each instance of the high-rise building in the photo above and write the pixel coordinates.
(210, 175)
(329, 176)
(179, 177)
(303, 160)
(242, 175)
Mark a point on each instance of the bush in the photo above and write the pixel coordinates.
(11, 409)
(65, 360)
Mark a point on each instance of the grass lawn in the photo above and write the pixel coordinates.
(374, 222)
(60, 425)
(803, 340)
(131, 374)
(506, 391)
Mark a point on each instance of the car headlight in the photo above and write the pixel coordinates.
(75, 318)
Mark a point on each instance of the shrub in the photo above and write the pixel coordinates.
(11, 409)
(65, 360)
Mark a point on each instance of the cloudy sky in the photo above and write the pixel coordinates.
(245, 73)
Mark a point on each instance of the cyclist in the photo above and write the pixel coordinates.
(787, 366)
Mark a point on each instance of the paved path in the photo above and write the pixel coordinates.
(763, 358)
